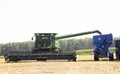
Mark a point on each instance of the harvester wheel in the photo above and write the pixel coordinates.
(57, 50)
(41, 59)
(7, 60)
(16, 60)
(74, 59)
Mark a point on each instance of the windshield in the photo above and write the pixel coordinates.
(44, 41)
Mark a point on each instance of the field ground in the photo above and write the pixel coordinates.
(86, 65)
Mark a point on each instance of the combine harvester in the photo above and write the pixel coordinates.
(102, 43)
(46, 48)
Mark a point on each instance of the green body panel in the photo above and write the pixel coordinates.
(48, 41)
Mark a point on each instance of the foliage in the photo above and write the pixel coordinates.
(66, 45)
(18, 46)
(76, 44)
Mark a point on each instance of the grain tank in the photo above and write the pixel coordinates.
(102, 43)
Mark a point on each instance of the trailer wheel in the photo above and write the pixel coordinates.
(111, 56)
(96, 57)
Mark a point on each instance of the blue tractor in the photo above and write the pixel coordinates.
(102, 43)
(117, 45)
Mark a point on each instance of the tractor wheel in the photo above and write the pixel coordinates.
(117, 55)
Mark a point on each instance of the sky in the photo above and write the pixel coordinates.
(20, 19)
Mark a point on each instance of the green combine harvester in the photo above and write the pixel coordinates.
(46, 48)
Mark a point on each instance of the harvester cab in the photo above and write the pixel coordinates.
(45, 42)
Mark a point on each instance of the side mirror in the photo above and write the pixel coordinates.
(32, 38)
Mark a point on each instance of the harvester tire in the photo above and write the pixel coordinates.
(74, 59)
(41, 59)
(7, 60)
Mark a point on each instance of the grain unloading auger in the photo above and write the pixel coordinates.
(46, 48)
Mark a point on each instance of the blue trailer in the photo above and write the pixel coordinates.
(102, 43)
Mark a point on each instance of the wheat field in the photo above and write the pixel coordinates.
(85, 65)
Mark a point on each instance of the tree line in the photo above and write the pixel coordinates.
(67, 44)
(76, 44)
